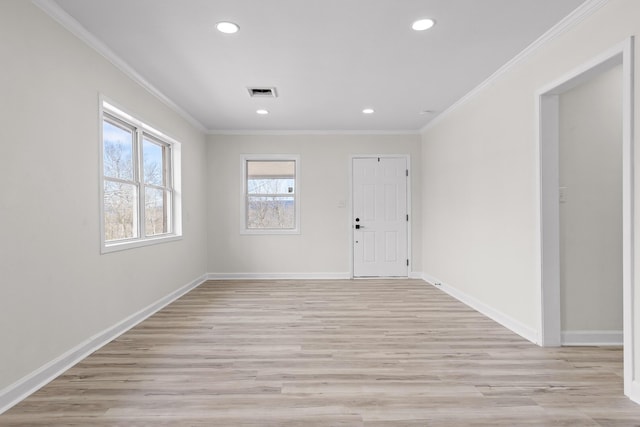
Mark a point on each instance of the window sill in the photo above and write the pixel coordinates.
(131, 244)
(258, 232)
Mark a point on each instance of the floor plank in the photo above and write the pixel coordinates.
(330, 353)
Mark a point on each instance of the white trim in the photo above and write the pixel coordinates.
(574, 18)
(547, 104)
(407, 157)
(410, 220)
(232, 132)
(123, 245)
(630, 319)
(584, 72)
(243, 200)
(592, 338)
(52, 9)
(350, 218)
(278, 276)
(633, 391)
(508, 322)
(138, 120)
(19, 390)
(548, 222)
(175, 175)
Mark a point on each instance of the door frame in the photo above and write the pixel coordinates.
(350, 212)
(547, 110)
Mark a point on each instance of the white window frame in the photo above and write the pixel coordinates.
(243, 202)
(172, 184)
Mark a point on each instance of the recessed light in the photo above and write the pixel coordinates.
(368, 111)
(227, 27)
(423, 24)
(262, 112)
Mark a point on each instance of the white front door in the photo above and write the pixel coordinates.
(380, 218)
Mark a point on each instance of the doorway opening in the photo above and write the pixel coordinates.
(590, 187)
(553, 194)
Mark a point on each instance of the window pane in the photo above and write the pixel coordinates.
(120, 211)
(155, 211)
(154, 161)
(271, 186)
(271, 212)
(118, 151)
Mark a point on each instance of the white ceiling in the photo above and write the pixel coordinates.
(328, 59)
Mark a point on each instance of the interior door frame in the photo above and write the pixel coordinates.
(547, 109)
(350, 212)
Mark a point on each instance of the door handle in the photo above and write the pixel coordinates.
(358, 226)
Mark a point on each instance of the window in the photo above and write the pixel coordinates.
(140, 203)
(270, 194)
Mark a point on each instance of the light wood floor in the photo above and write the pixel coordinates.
(330, 353)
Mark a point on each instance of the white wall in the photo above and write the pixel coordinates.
(56, 289)
(322, 248)
(480, 174)
(590, 151)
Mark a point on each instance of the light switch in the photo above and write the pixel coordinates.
(563, 194)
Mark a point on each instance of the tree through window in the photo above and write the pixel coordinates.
(138, 191)
(271, 194)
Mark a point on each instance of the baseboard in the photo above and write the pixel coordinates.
(507, 321)
(591, 338)
(633, 391)
(290, 276)
(16, 392)
(278, 276)
(420, 275)
(416, 275)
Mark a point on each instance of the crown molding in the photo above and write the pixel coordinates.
(578, 15)
(51, 8)
(231, 132)
(54, 10)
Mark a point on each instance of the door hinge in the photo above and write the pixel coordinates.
(407, 172)
(407, 263)
(407, 217)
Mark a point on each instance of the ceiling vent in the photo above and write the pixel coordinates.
(262, 92)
